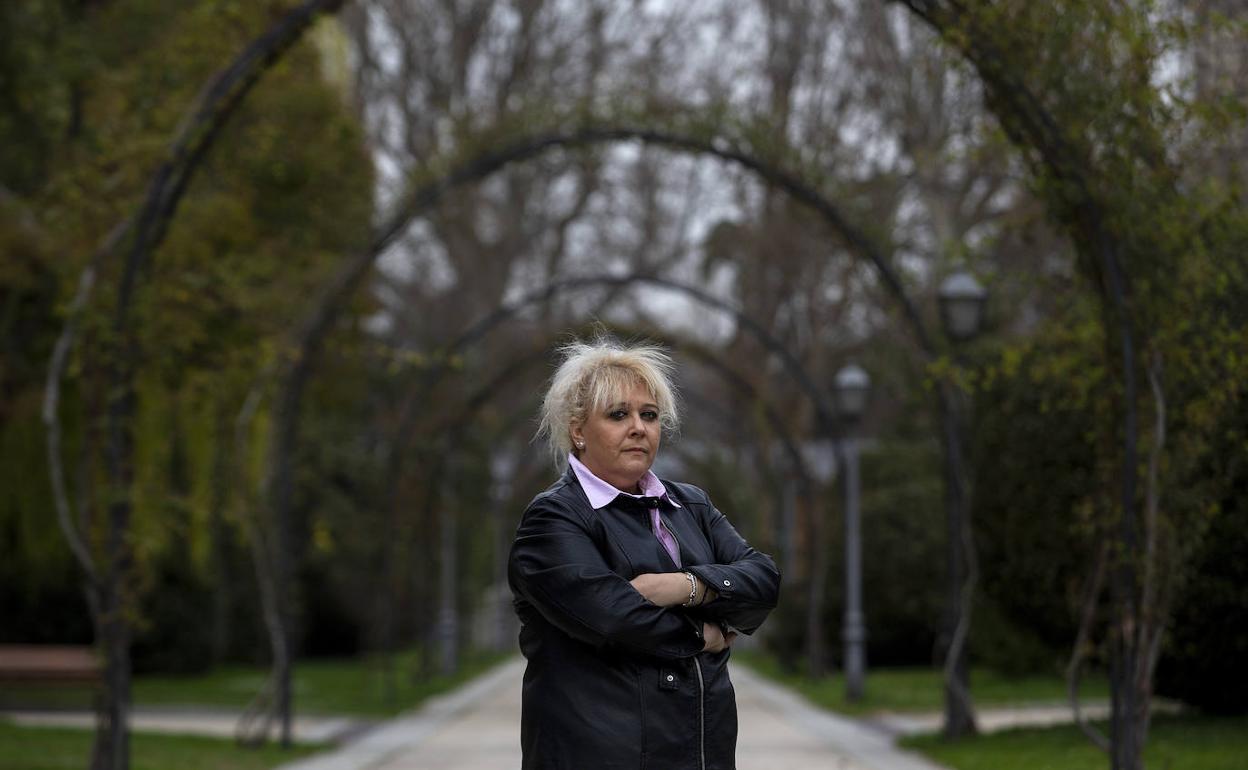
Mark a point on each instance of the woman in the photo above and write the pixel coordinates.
(630, 589)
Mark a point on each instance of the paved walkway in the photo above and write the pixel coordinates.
(193, 720)
(478, 728)
(997, 718)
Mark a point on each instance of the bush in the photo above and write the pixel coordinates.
(902, 564)
(1205, 660)
(174, 634)
(44, 613)
(1034, 467)
(331, 626)
(903, 552)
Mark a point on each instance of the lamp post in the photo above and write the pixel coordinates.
(852, 385)
(962, 300)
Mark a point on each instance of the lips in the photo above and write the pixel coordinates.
(638, 450)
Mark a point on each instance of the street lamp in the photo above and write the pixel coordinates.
(852, 385)
(962, 300)
(961, 305)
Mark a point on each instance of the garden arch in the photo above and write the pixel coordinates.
(309, 335)
(143, 233)
(447, 439)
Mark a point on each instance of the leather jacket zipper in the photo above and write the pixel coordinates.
(697, 666)
(701, 715)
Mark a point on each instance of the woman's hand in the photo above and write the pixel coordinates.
(715, 638)
(671, 589)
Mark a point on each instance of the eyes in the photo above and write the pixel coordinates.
(648, 415)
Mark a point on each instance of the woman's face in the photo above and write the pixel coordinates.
(620, 440)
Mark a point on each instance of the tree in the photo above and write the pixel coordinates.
(1073, 85)
(111, 578)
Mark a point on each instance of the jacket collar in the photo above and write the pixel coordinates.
(600, 494)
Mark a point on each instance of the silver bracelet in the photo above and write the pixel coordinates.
(693, 589)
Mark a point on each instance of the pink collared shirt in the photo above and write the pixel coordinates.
(600, 494)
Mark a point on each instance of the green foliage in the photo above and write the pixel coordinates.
(903, 548)
(1190, 743)
(285, 193)
(913, 689)
(171, 637)
(902, 562)
(327, 686)
(339, 503)
(1120, 151)
(746, 505)
(1041, 502)
(34, 90)
(1208, 642)
(1036, 495)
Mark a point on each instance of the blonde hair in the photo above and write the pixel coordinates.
(594, 375)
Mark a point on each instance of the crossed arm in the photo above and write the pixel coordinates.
(556, 566)
(671, 589)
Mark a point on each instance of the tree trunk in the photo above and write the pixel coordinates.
(279, 491)
(145, 232)
(448, 606)
(441, 479)
(501, 473)
(220, 534)
(816, 639)
(386, 603)
(786, 526)
(1129, 718)
(113, 745)
(112, 741)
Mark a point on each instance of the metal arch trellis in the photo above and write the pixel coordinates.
(168, 186)
(825, 426)
(309, 335)
(445, 625)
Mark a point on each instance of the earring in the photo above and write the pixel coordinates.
(580, 445)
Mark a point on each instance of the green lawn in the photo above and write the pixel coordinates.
(1174, 743)
(51, 748)
(351, 687)
(354, 686)
(920, 689)
(1184, 742)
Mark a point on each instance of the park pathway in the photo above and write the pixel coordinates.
(478, 728)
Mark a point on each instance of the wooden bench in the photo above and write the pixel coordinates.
(38, 665)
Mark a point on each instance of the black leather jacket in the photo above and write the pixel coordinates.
(614, 682)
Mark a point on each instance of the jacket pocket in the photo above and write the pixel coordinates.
(669, 678)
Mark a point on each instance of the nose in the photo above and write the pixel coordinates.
(636, 425)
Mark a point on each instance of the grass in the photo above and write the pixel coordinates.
(352, 686)
(1181, 742)
(920, 689)
(348, 687)
(54, 748)
(1174, 743)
